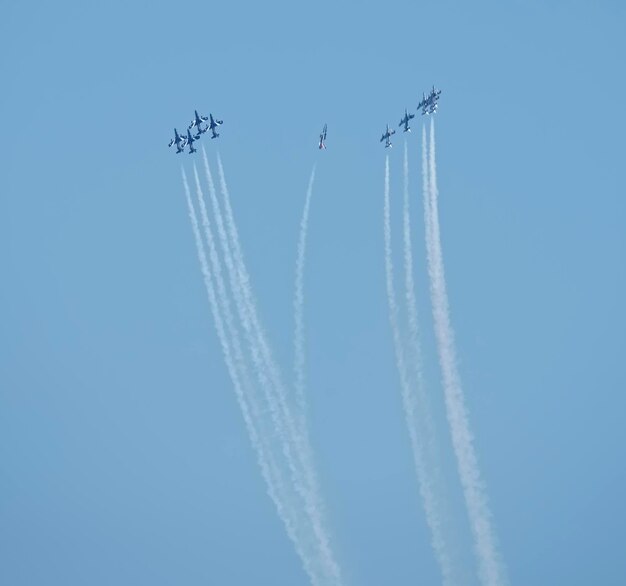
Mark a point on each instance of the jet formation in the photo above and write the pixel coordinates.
(428, 105)
(181, 141)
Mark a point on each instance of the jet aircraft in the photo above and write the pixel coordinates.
(179, 141)
(322, 144)
(387, 137)
(197, 121)
(405, 121)
(213, 124)
(429, 104)
(190, 140)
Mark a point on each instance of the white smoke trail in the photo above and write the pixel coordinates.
(307, 483)
(242, 309)
(413, 400)
(298, 303)
(426, 191)
(222, 295)
(270, 470)
(294, 438)
(251, 337)
(491, 570)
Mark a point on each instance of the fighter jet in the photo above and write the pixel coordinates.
(179, 141)
(213, 124)
(190, 140)
(429, 104)
(405, 121)
(387, 137)
(197, 121)
(322, 144)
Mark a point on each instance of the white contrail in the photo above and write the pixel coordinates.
(294, 438)
(413, 402)
(491, 570)
(304, 478)
(271, 472)
(298, 303)
(244, 312)
(434, 492)
(222, 295)
(236, 290)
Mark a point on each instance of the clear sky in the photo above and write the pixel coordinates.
(123, 455)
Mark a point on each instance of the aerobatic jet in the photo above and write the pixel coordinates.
(190, 140)
(322, 144)
(213, 124)
(197, 121)
(179, 141)
(387, 137)
(405, 121)
(429, 104)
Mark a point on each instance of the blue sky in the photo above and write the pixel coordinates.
(124, 458)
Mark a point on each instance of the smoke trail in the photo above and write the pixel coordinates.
(490, 568)
(251, 337)
(295, 441)
(242, 309)
(307, 486)
(413, 401)
(222, 295)
(270, 470)
(298, 303)
(426, 191)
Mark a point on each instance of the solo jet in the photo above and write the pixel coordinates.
(322, 144)
(179, 141)
(190, 140)
(429, 104)
(387, 137)
(213, 124)
(405, 121)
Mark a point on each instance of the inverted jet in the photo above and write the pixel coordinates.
(197, 123)
(387, 137)
(213, 124)
(190, 141)
(179, 141)
(405, 121)
(322, 144)
(197, 120)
